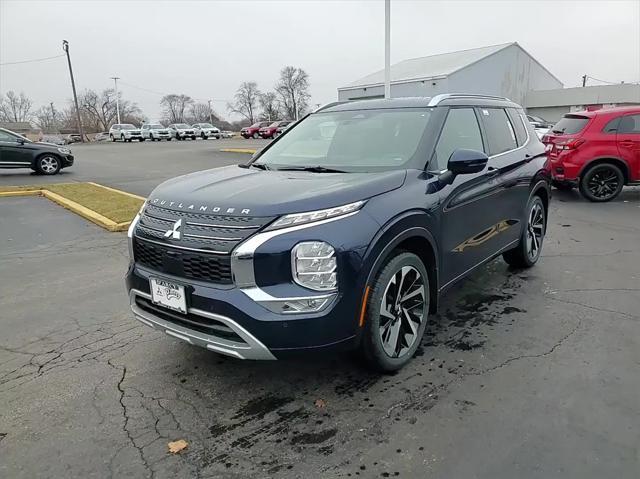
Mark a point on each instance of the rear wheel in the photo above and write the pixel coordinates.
(562, 186)
(112, 138)
(602, 182)
(48, 165)
(396, 314)
(122, 138)
(256, 136)
(203, 136)
(528, 251)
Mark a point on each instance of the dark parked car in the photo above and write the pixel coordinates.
(72, 138)
(270, 130)
(538, 122)
(345, 232)
(598, 151)
(253, 131)
(16, 151)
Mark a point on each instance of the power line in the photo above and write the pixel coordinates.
(31, 61)
(609, 82)
(164, 94)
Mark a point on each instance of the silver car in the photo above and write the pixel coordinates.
(182, 131)
(155, 132)
(206, 130)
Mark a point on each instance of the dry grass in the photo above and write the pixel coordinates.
(115, 206)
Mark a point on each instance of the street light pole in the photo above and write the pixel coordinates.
(65, 47)
(115, 80)
(210, 113)
(387, 48)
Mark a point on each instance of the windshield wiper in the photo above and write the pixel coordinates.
(260, 166)
(557, 131)
(313, 169)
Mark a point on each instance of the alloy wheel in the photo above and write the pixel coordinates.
(402, 311)
(535, 231)
(49, 165)
(603, 183)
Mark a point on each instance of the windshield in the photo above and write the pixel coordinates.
(206, 125)
(156, 127)
(127, 127)
(351, 141)
(182, 126)
(570, 125)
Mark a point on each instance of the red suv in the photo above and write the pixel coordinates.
(598, 151)
(270, 131)
(253, 130)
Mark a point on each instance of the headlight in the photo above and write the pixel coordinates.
(64, 151)
(319, 215)
(314, 265)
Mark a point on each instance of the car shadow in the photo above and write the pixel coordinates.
(628, 193)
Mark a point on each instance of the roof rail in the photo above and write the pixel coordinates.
(328, 105)
(446, 96)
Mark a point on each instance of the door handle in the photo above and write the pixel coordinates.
(627, 142)
(491, 172)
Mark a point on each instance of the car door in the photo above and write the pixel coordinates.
(13, 153)
(628, 141)
(470, 211)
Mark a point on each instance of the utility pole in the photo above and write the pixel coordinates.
(115, 80)
(387, 48)
(584, 80)
(53, 116)
(65, 47)
(210, 113)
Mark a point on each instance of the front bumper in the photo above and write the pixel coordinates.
(67, 161)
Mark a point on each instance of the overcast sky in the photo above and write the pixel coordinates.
(206, 48)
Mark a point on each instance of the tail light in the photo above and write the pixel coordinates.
(568, 143)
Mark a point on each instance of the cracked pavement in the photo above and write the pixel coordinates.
(528, 374)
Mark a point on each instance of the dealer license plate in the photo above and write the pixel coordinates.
(168, 294)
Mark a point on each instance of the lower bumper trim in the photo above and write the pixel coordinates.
(250, 348)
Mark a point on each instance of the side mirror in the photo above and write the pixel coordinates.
(464, 162)
(20, 141)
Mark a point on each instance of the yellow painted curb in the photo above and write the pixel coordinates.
(238, 150)
(83, 211)
(116, 191)
(21, 193)
(76, 208)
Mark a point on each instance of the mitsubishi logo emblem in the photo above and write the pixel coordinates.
(174, 232)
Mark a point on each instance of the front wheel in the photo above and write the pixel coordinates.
(48, 165)
(256, 136)
(528, 251)
(396, 313)
(112, 138)
(602, 182)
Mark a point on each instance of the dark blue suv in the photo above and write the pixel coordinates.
(344, 232)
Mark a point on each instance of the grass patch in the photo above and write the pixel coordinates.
(111, 204)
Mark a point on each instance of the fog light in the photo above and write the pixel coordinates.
(314, 265)
(304, 305)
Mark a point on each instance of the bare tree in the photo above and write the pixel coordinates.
(98, 110)
(15, 108)
(175, 107)
(47, 119)
(270, 106)
(199, 113)
(246, 101)
(293, 91)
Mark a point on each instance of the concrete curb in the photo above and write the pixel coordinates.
(77, 208)
(238, 150)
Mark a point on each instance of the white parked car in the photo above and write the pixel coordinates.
(125, 132)
(155, 132)
(206, 130)
(182, 131)
(226, 134)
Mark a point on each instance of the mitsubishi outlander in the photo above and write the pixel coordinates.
(344, 232)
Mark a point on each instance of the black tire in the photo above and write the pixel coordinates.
(373, 348)
(140, 140)
(562, 186)
(527, 253)
(602, 182)
(169, 139)
(122, 139)
(113, 138)
(203, 136)
(256, 136)
(151, 137)
(193, 138)
(48, 165)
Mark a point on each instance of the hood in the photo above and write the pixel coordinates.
(236, 191)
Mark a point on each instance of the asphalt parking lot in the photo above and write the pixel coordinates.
(528, 374)
(138, 167)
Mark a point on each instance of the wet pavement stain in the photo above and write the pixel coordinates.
(314, 438)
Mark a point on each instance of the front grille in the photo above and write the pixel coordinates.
(201, 266)
(191, 321)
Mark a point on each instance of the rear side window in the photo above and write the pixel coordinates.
(517, 118)
(629, 124)
(460, 130)
(570, 125)
(500, 133)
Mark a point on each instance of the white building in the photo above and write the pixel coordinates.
(553, 104)
(502, 70)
